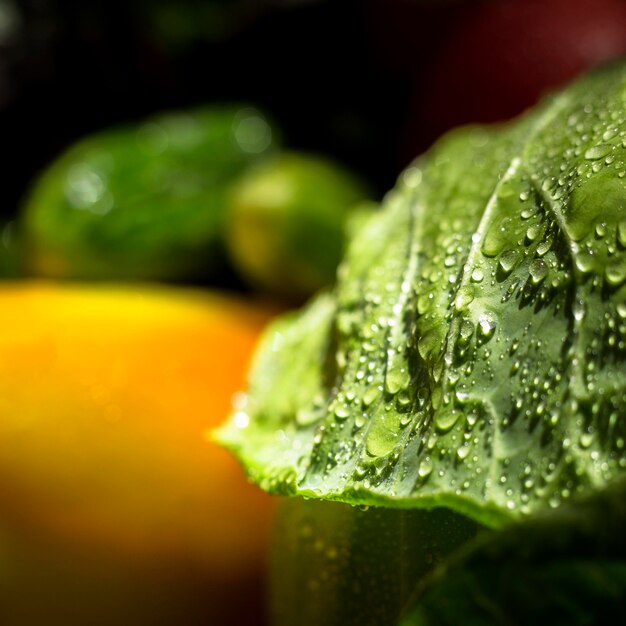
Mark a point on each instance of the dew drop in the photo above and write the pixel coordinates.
(615, 273)
(425, 467)
(463, 452)
(466, 330)
(538, 270)
(403, 399)
(380, 440)
(432, 441)
(609, 133)
(370, 395)
(422, 397)
(507, 260)
(496, 237)
(342, 412)
(462, 393)
(445, 420)
(412, 177)
(306, 416)
(585, 261)
(533, 231)
(597, 152)
(578, 310)
(544, 247)
(396, 380)
(477, 275)
(424, 303)
(486, 325)
(464, 297)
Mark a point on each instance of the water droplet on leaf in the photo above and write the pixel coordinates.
(538, 270)
(597, 152)
(507, 260)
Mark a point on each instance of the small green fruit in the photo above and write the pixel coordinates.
(286, 232)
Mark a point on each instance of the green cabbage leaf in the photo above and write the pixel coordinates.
(472, 354)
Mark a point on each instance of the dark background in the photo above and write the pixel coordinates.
(370, 82)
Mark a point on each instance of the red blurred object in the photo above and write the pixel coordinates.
(505, 54)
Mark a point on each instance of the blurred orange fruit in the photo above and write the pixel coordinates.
(115, 507)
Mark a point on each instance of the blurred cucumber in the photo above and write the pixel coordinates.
(146, 201)
(288, 222)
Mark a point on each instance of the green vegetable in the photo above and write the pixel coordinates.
(564, 567)
(286, 230)
(473, 353)
(147, 201)
(334, 564)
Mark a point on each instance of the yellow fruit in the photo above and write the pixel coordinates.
(114, 505)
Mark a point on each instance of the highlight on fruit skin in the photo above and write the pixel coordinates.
(115, 505)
